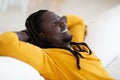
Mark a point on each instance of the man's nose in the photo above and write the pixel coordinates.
(63, 24)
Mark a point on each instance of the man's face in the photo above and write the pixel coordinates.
(55, 29)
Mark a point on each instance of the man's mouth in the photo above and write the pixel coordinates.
(64, 30)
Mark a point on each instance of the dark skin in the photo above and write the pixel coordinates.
(54, 30)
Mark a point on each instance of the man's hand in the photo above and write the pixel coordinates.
(22, 36)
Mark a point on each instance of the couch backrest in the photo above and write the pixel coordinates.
(104, 35)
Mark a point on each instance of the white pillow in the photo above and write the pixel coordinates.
(13, 69)
(104, 35)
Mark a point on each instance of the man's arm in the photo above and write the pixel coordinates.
(77, 27)
(12, 47)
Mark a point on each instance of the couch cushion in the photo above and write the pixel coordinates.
(113, 68)
(104, 35)
(13, 69)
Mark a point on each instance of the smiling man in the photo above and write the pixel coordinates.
(55, 47)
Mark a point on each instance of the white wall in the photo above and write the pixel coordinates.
(14, 19)
(88, 8)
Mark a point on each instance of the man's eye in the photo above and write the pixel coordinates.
(53, 24)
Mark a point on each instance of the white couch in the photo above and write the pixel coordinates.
(103, 38)
(13, 69)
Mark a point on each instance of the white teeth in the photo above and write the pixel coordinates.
(65, 30)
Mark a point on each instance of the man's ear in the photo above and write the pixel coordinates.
(42, 35)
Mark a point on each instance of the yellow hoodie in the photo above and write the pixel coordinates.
(55, 63)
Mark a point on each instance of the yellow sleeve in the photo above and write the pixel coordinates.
(76, 26)
(12, 47)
